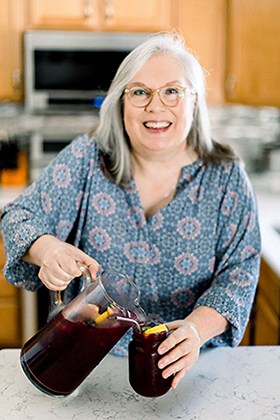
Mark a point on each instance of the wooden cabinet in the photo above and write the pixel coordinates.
(253, 59)
(267, 308)
(115, 15)
(264, 325)
(12, 24)
(10, 326)
(203, 25)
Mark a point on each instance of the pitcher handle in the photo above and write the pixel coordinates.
(56, 303)
(87, 279)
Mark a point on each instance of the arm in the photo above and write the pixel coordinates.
(222, 311)
(57, 261)
(53, 206)
(188, 336)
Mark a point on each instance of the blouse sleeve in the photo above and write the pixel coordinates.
(237, 262)
(50, 206)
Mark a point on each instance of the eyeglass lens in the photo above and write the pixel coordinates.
(169, 95)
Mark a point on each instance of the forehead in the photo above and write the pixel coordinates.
(160, 70)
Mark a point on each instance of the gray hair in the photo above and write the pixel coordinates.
(111, 137)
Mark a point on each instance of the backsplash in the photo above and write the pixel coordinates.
(253, 132)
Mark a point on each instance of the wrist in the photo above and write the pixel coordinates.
(208, 322)
(39, 248)
(195, 330)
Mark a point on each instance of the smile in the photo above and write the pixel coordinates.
(157, 124)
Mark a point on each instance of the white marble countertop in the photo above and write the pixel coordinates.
(225, 384)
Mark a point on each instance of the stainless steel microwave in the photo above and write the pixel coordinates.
(66, 70)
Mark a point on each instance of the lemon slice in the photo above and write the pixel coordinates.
(157, 329)
(100, 318)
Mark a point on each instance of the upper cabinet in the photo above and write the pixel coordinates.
(203, 26)
(12, 24)
(115, 15)
(253, 58)
(236, 41)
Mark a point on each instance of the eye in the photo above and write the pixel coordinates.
(138, 91)
(172, 90)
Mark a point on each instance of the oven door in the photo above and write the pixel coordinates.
(44, 147)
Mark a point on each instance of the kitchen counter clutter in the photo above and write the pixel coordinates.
(226, 383)
(267, 190)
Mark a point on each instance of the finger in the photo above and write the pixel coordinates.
(58, 272)
(182, 349)
(178, 377)
(184, 363)
(173, 325)
(52, 282)
(172, 340)
(92, 265)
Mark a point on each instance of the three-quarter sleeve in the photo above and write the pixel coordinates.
(237, 261)
(49, 206)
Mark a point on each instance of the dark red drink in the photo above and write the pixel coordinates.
(145, 377)
(63, 353)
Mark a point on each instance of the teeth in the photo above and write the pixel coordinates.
(158, 124)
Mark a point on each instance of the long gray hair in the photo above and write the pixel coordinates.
(111, 137)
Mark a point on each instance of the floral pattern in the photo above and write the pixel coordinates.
(202, 249)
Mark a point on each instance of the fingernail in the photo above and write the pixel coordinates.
(162, 349)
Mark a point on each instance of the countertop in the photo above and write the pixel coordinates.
(225, 384)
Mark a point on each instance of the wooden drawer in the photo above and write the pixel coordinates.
(6, 289)
(10, 326)
(2, 253)
(269, 286)
(267, 327)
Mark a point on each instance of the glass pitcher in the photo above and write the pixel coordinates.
(64, 352)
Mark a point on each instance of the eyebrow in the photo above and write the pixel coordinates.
(174, 82)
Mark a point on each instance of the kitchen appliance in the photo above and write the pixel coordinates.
(64, 352)
(72, 70)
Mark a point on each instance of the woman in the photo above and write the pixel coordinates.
(152, 195)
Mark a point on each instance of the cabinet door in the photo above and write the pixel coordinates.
(10, 327)
(63, 14)
(202, 23)
(12, 23)
(267, 330)
(267, 308)
(135, 15)
(253, 58)
(132, 15)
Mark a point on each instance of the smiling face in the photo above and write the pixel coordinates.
(159, 130)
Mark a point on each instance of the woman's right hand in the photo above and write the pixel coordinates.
(58, 261)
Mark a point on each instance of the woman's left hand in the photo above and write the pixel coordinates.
(180, 350)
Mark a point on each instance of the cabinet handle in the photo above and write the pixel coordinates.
(230, 85)
(88, 9)
(109, 11)
(16, 79)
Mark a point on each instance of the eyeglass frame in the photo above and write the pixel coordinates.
(153, 91)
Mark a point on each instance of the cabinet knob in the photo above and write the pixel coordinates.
(16, 79)
(88, 9)
(109, 11)
(230, 85)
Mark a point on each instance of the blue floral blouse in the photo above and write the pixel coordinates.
(203, 248)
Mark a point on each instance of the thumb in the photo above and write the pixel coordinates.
(92, 265)
(173, 325)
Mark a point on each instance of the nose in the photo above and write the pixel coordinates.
(155, 102)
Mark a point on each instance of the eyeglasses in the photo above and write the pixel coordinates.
(141, 96)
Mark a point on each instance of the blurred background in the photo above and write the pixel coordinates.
(56, 61)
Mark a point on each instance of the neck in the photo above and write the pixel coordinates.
(155, 164)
